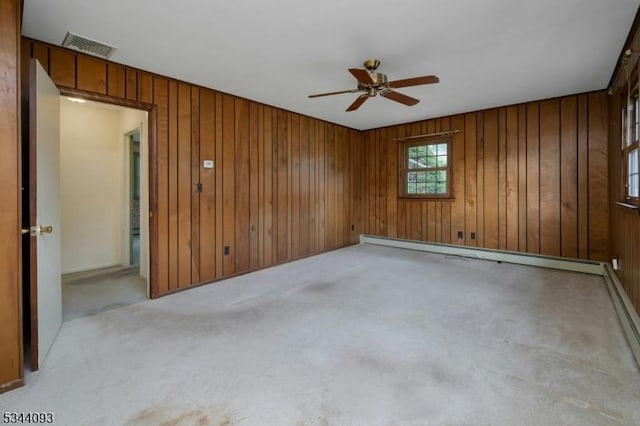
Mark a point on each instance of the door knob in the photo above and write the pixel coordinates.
(45, 229)
(35, 230)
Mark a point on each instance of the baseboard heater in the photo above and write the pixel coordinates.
(626, 313)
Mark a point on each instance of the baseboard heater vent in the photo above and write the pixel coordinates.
(627, 314)
(87, 45)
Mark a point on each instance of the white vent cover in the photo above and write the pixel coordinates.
(87, 45)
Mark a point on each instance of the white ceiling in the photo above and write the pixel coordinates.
(487, 53)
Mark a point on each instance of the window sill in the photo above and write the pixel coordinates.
(419, 198)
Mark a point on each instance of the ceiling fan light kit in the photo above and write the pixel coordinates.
(372, 83)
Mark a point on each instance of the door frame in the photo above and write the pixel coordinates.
(152, 140)
(129, 189)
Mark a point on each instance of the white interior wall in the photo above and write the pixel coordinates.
(91, 170)
(132, 119)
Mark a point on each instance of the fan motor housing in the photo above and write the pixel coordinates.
(379, 80)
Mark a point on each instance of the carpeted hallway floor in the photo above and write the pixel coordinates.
(365, 335)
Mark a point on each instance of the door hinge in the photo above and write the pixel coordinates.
(199, 187)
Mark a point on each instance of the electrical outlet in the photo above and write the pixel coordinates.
(473, 235)
(226, 250)
(460, 235)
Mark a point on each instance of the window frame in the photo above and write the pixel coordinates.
(627, 146)
(403, 170)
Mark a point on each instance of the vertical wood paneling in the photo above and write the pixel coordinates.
(491, 179)
(131, 84)
(282, 178)
(195, 180)
(381, 195)
(303, 190)
(402, 203)
(322, 185)
(41, 53)
(533, 178)
(598, 190)
(550, 177)
(92, 75)
(116, 82)
(471, 182)
(267, 229)
(208, 180)
(144, 87)
(569, 177)
(174, 260)
(219, 169)
(184, 187)
(521, 180)
(312, 189)
(480, 182)
(457, 205)
(161, 99)
(511, 171)
(330, 189)
(255, 192)
(294, 198)
(228, 185)
(502, 178)
(392, 181)
(242, 186)
(62, 67)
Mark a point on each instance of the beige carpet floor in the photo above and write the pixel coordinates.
(365, 335)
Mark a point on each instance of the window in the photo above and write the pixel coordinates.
(425, 168)
(631, 149)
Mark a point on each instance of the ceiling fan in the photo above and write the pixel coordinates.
(372, 83)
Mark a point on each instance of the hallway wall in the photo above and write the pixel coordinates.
(92, 170)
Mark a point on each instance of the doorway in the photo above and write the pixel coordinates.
(103, 156)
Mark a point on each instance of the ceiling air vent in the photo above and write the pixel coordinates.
(87, 45)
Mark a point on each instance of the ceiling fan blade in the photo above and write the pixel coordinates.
(359, 101)
(335, 93)
(399, 97)
(416, 81)
(361, 75)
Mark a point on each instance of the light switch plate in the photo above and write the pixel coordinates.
(207, 164)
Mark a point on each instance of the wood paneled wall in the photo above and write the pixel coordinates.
(625, 222)
(529, 178)
(284, 185)
(10, 298)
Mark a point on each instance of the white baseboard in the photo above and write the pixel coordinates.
(575, 265)
(91, 268)
(626, 313)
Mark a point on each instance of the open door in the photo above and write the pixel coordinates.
(44, 213)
